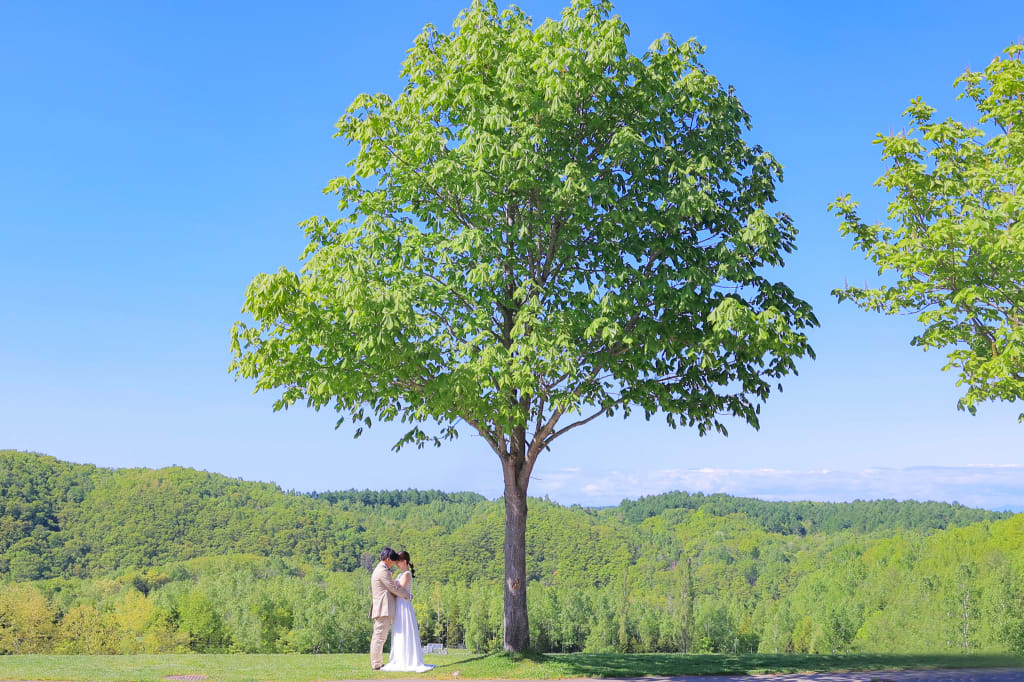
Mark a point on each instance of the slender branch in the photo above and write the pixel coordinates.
(581, 422)
(492, 439)
(540, 437)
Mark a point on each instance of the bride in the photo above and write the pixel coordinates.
(406, 649)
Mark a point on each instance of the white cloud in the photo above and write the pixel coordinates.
(986, 486)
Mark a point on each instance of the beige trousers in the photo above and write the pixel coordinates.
(381, 626)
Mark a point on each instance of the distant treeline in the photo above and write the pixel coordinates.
(814, 517)
(100, 560)
(395, 498)
(62, 519)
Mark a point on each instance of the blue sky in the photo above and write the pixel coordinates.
(154, 157)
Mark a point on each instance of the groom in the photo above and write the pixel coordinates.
(383, 590)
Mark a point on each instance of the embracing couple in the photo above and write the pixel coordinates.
(392, 608)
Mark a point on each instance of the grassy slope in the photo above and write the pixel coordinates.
(300, 667)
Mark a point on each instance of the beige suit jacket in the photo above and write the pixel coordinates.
(383, 590)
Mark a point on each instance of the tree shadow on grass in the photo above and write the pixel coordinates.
(669, 665)
(461, 661)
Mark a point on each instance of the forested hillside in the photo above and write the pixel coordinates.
(125, 560)
(812, 517)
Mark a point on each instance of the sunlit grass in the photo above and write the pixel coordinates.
(307, 668)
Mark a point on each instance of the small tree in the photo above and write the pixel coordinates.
(957, 248)
(540, 230)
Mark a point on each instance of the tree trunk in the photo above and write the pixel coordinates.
(517, 624)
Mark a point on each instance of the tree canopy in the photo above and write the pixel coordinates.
(539, 230)
(542, 215)
(956, 246)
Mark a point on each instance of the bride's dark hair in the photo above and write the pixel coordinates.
(404, 556)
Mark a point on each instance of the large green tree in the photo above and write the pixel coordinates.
(541, 229)
(956, 245)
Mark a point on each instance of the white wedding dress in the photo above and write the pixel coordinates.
(406, 650)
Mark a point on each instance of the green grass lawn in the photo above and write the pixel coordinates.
(302, 668)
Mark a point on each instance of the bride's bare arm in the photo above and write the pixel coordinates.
(404, 580)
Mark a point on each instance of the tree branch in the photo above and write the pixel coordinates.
(581, 422)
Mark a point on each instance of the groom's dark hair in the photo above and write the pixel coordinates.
(388, 553)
